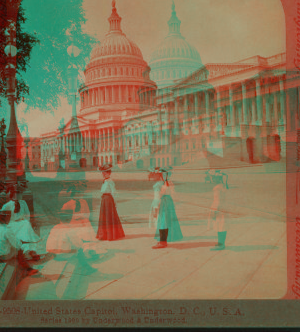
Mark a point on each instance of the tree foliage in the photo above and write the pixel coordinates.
(53, 21)
(25, 42)
(43, 36)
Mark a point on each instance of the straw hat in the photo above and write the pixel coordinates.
(166, 170)
(154, 169)
(105, 167)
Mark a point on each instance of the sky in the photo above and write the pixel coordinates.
(222, 31)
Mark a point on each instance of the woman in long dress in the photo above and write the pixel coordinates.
(155, 203)
(168, 228)
(110, 227)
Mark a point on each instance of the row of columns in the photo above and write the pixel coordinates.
(86, 141)
(253, 108)
(109, 94)
(117, 71)
(148, 97)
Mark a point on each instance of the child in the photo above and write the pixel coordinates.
(217, 209)
(110, 227)
(156, 201)
(167, 223)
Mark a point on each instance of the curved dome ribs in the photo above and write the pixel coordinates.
(172, 54)
(117, 72)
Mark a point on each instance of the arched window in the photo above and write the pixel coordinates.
(121, 71)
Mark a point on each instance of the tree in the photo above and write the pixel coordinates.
(53, 22)
(25, 43)
(43, 35)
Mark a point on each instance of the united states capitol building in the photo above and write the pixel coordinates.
(168, 111)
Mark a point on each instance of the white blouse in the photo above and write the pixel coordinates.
(157, 188)
(23, 214)
(108, 187)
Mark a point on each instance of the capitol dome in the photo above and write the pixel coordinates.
(116, 44)
(116, 72)
(174, 58)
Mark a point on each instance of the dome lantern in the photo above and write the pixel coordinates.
(114, 19)
(174, 22)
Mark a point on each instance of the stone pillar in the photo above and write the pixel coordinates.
(196, 105)
(126, 94)
(244, 98)
(231, 108)
(218, 122)
(282, 119)
(120, 94)
(106, 94)
(185, 111)
(168, 116)
(84, 140)
(133, 94)
(104, 139)
(99, 141)
(113, 94)
(275, 107)
(259, 107)
(267, 98)
(176, 120)
(113, 138)
(207, 112)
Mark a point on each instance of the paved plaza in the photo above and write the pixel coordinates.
(252, 266)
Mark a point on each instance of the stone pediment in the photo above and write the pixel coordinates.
(218, 70)
(68, 127)
(198, 76)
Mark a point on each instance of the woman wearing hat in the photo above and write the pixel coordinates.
(156, 201)
(168, 228)
(110, 227)
(217, 213)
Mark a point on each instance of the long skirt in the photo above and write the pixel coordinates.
(167, 219)
(110, 227)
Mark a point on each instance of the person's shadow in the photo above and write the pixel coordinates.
(83, 275)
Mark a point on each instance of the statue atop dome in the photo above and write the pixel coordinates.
(114, 19)
(173, 6)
